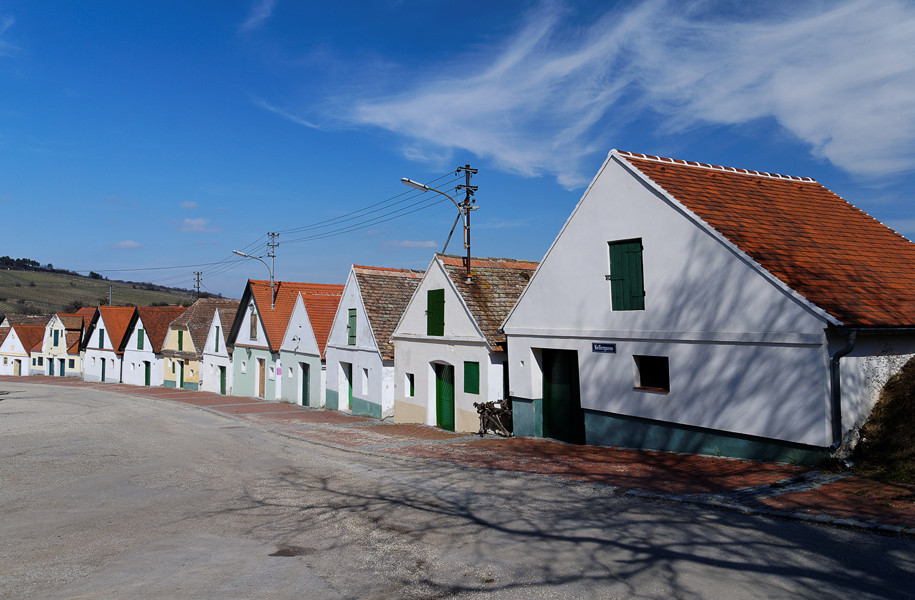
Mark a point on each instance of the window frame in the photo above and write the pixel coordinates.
(652, 373)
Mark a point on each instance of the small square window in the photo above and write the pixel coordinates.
(652, 373)
(411, 390)
(40, 361)
(72, 363)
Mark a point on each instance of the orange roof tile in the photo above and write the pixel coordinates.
(496, 284)
(198, 318)
(320, 299)
(30, 336)
(385, 294)
(156, 320)
(117, 319)
(836, 256)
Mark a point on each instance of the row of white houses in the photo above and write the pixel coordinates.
(682, 306)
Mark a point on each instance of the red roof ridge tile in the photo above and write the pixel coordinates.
(689, 163)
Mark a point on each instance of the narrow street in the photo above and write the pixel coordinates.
(109, 495)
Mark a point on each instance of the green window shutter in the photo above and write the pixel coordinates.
(435, 312)
(216, 341)
(140, 339)
(56, 336)
(180, 340)
(471, 377)
(351, 327)
(101, 338)
(627, 283)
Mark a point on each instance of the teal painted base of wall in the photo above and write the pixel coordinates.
(606, 429)
(621, 431)
(527, 417)
(191, 386)
(169, 384)
(364, 408)
(331, 400)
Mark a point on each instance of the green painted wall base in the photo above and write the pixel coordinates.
(168, 383)
(606, 429)
(330, 400)
(527, 417)
(364, 408)
(191, 386)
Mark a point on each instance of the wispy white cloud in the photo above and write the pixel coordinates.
(127, 244)
(411, 244)
(198, 225)
(189, 205)
(284, 113)
(838, 76)
(6, 47)
(260, 13)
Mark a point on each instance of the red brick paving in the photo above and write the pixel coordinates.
(860, 499)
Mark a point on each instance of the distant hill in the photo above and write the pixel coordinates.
(37, 290)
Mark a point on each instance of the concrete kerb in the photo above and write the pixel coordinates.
(715, 501)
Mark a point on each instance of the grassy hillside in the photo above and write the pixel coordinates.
(33, 292)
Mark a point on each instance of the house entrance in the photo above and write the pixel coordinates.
(222, 380)
(51, 367)
(147, 372)
(63, 367)
(563, 418)
(103, 370)
(261, 378)
(17, 368)
(303, 375)
(348, 382)
(444, 396)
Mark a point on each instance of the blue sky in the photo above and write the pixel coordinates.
(136, 136)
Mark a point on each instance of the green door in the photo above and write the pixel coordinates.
(563, 418)
(147, 378)
(222, 380)
(444, 396)
(348, 374)
(103, 369)
(303, 367)
(181, 374)
(51, 366)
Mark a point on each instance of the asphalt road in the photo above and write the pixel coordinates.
(105, 495)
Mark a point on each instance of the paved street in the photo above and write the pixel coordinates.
(106, 494)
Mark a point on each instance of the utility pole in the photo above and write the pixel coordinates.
(109, 295)
(271, 252)
(197, 275)
(466, 207)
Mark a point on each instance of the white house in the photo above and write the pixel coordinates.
(265, 337)
(17, 346)
(448, 350)
(60, 351)
(696, 308)
(142, 346)
(104, 343)
(360, 355)
(216, 366)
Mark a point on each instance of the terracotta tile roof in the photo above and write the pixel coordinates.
(117, 320)
(156, 320)
(226, 319)
(320, 299)
(496, 284)
(198, 318)
(30, 336)
(42, 320)
(75, 325)
(385, 294)
(836, 256)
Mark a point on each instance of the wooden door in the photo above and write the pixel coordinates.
(303, 368)
(444, 396)
(51, 367)
(563, 418)
(103, 369)
(261, 378)
(348, 375)
(147, 375)
(222, 380)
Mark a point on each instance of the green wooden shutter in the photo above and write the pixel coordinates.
(627, 283)
(471, 377)
(140, 340)
(351, 327)
(435, 312)
(180, 340)
(216, 341)
(56, 336)
(101, 338)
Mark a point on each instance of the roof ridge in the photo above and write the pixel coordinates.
(699, 165)
(391, 270)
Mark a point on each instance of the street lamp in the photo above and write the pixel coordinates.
(464, 209)
(269, 270)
